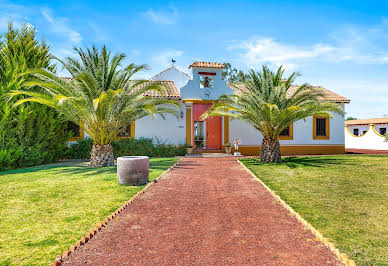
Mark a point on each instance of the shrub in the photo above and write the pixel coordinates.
(31, 134)
(129, 147)
(80, 149)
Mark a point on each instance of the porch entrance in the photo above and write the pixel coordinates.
(208, 133)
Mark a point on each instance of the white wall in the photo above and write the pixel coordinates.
(193, 90)
(179, 77)
(370, 141)
(171, 130)
(303, 133)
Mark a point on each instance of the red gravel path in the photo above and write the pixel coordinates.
(205, 211)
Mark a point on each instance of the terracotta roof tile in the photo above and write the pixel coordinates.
(381, 120)
(207, 65)
(171, 90)
(328, 95)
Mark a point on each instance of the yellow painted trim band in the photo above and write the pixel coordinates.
(319, 236)
(296, 150)
(188, 126)
(226, 129)
(198, 101)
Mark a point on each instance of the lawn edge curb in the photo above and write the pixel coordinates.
(342, 257)
(59, 259)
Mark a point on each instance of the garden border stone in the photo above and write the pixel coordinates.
(342, 257)
(65, 254)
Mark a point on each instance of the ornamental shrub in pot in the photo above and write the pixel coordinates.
(228, 148)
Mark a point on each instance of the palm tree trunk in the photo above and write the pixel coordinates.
(101, 155)
(270, 151)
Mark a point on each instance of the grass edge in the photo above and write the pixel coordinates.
(342, 257)
(65, 254)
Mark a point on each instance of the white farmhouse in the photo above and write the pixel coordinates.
(314, 135)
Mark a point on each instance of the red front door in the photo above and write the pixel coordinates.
(213, 128)
(213, 132)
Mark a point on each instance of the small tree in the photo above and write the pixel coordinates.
(101, 98)
(30, 134)
(267, 103)
(230, 74)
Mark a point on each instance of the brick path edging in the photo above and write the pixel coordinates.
(319, 236)
(60, 258)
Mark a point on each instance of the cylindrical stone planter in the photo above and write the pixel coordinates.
(133, 170)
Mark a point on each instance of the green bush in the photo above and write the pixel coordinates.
(80, 149)
(129, 147)
(30, 134)
(34, 135)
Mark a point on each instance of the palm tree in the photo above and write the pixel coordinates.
(101, 98)
(269, 103)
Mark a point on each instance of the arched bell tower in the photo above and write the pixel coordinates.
(207, 82)
(198, 95)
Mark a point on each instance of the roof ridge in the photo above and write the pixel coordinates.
(204, 64)
(168, 69)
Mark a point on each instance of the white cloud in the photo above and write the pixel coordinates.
(347, 44)
(164, 58)
(60, 26)
(162, 17)
(267, 51)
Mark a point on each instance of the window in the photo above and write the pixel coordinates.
(125, 132)
(206, 82)
(355, 131)
(75, 130)
(321, 127)
(287, 133)
(199, 134)
(382, 130)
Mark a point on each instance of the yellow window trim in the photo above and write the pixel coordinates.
(290, 136)
(351, 134)
(377, 133)
(132, 133)
(327, 127)
(81, 134)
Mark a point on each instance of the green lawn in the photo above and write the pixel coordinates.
(45, 209)
(344, 197)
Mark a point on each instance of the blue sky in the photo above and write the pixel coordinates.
(341, 45)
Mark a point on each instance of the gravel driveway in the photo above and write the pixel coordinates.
(205, 211)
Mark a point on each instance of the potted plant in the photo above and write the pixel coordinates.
(204, 144)
(198, 141)
(228, 148)
(189, 149)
